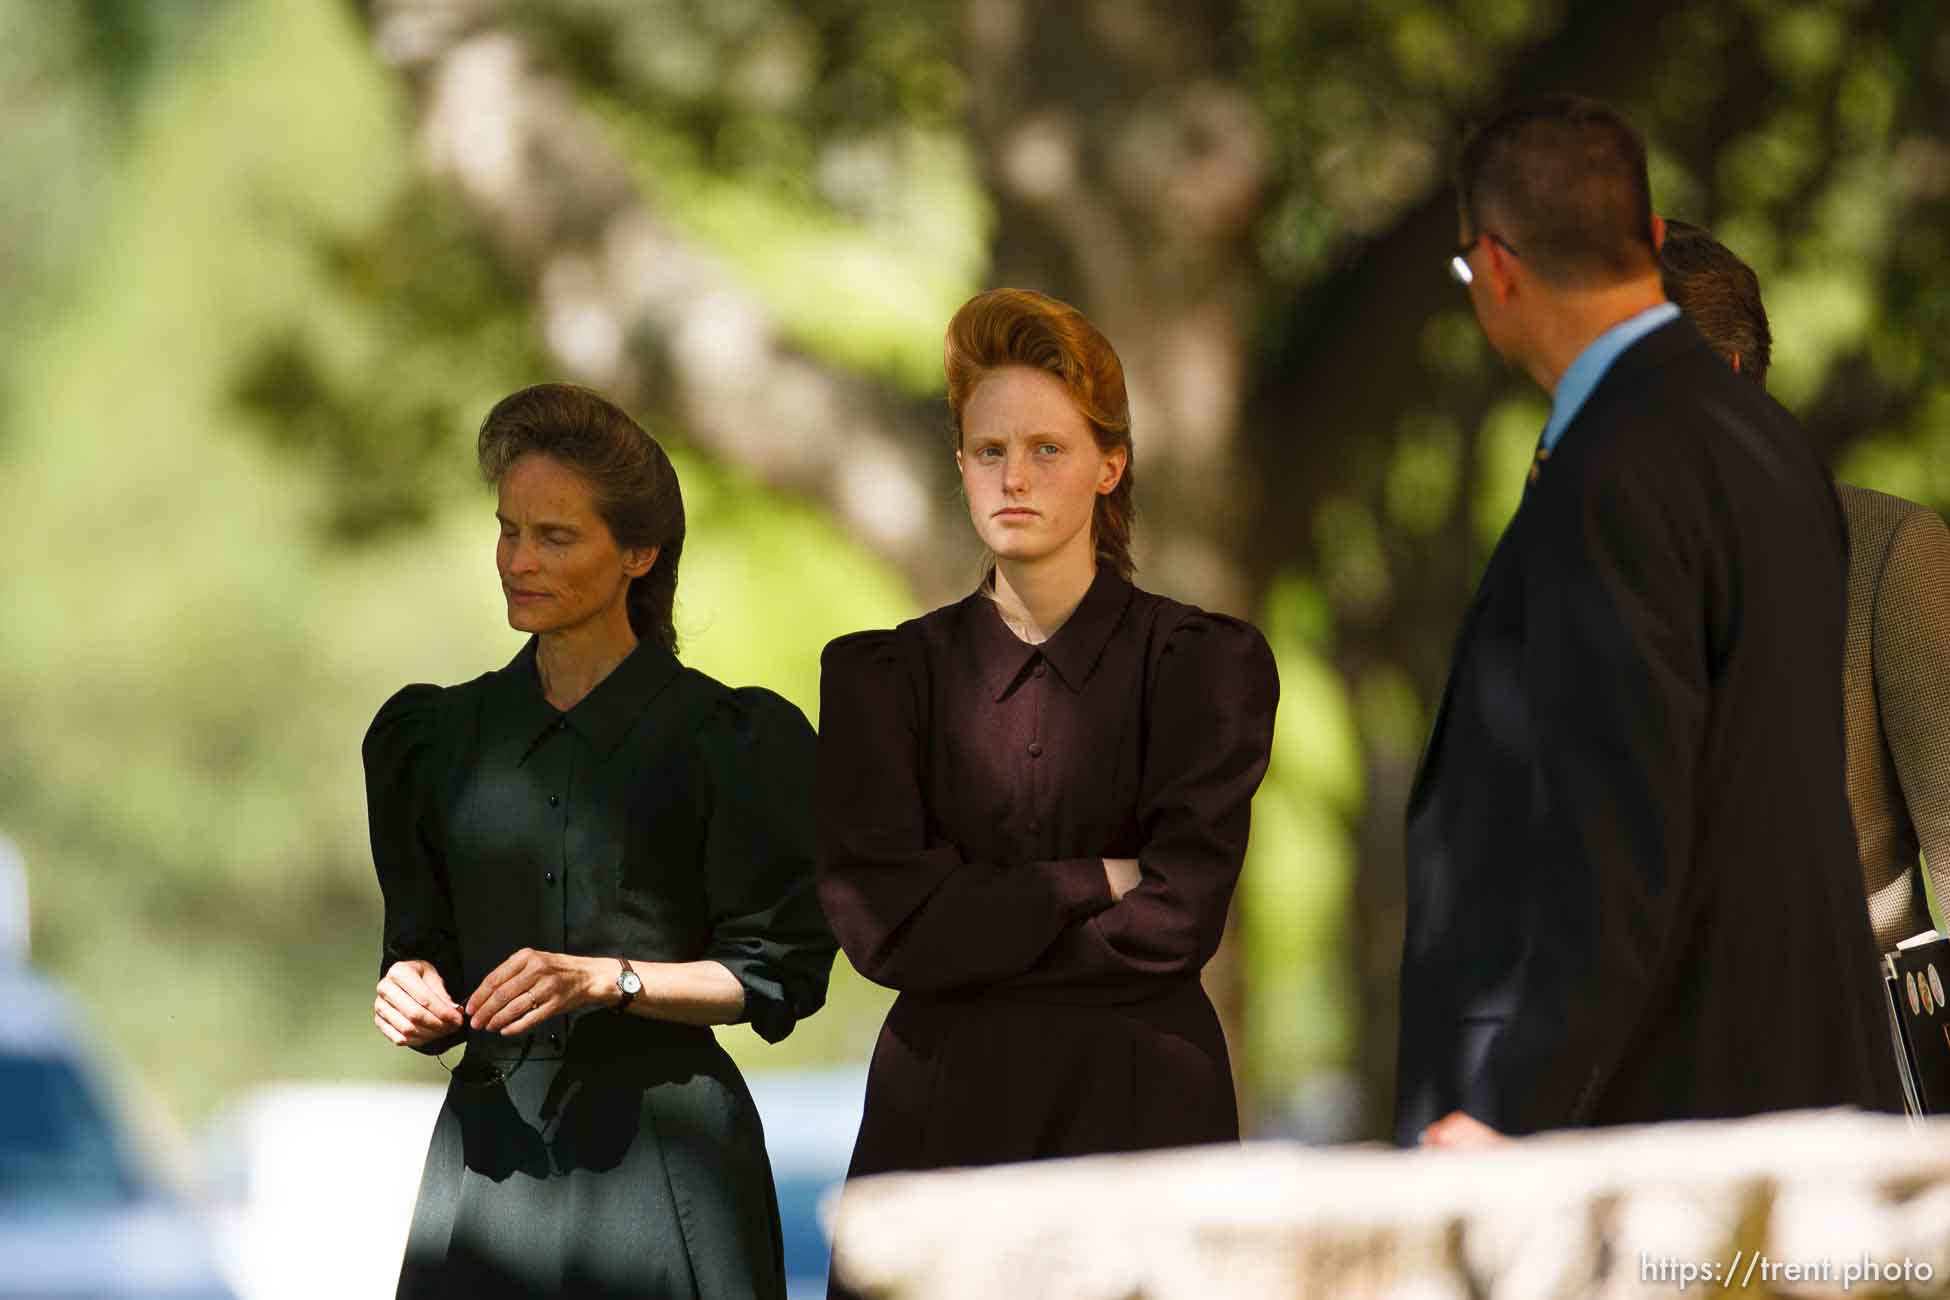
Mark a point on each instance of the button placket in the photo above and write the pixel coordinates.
(559, 799)
(555, 875)
(1038, 780)
(1039, 697)
(555, 801)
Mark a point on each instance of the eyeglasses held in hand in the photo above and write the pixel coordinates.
(486, 1076)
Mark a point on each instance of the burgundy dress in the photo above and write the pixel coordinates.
(970, 785)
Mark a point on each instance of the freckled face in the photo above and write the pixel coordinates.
(1030, 466)
(560, 565)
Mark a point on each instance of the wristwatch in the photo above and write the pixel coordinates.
(630, 982)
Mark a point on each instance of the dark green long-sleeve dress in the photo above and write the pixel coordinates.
(665, 817)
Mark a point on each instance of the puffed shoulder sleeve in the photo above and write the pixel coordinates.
(1209, 734)
(910, 912)
(767, 929)
(419, 914)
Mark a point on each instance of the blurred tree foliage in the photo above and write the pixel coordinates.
(408, 296)
(255, 324)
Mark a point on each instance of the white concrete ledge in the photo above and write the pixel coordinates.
(1802, 1205)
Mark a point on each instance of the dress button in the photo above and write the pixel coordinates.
(554, 800)
(554, 1039)
(1035, 749)
(548, 877)
(1040, 665)
(1035, 828)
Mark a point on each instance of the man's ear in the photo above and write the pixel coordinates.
(1658, 232)
(1503, 271)
(639, 560)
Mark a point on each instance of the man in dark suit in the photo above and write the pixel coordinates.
(1630, 861)
(1895, 717)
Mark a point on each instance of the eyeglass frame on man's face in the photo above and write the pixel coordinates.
(1459, 268)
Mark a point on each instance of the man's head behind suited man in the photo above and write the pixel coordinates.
(1721, 294)
(1560, 182)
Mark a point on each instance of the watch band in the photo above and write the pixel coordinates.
(627, 982)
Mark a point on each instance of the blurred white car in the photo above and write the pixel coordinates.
(82, 1217)
(312, 1184)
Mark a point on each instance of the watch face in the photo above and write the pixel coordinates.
(632, 983)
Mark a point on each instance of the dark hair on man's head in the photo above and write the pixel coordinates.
(1561, 181)
(1720, 293)
(634, 482)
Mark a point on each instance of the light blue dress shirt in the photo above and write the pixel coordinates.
(1591, 365)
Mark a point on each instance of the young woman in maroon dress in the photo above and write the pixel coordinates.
(1032, 804)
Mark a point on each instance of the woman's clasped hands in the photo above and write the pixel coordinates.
(413, 1007)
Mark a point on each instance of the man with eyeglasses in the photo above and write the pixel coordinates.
(1629, 847)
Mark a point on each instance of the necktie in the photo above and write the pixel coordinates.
(1537, 464)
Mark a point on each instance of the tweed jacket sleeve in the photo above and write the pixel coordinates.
(1912, 665)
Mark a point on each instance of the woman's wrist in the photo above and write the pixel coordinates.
(599, 983)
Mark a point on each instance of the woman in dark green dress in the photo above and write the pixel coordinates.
(588, 857)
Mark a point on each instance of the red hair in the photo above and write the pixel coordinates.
(1020, 327)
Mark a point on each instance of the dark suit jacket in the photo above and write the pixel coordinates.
(1632, 890)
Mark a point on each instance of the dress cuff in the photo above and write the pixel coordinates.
(765, 1008)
